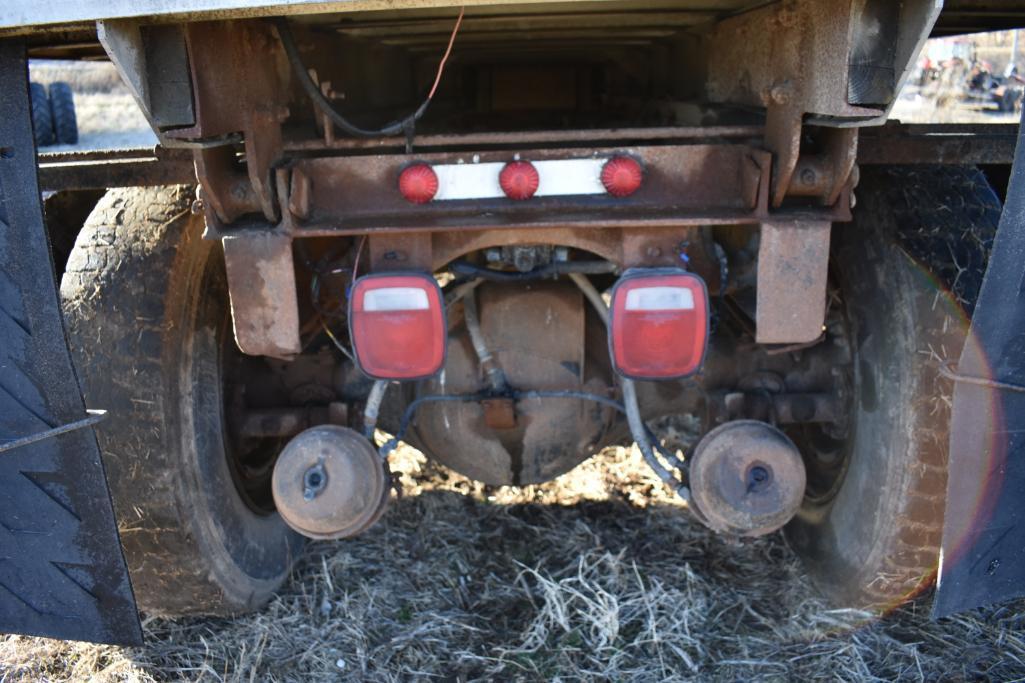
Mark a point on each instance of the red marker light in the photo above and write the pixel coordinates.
(622, 176)
(658, 327)
(418, 183)
(519, 180)
(397, 324)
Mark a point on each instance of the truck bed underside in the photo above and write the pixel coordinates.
(959, 16)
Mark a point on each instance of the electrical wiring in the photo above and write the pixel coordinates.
(312, 90)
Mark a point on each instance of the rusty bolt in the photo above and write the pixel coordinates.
(198, 207)
(781, 93)
(240, 190)
(808, 177)
(654, 252)
(787, 17)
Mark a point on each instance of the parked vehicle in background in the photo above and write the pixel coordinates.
(510, 235)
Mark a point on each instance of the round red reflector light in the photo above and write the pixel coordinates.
(418, 183)
(621, 176)
(519, 180)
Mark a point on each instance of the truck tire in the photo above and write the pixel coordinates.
(42, 117)
(62, 110)
(909, 269)
(145, 301)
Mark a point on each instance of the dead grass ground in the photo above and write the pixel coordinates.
(596, 576)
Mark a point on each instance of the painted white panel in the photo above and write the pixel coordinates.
(557, 178)
(468, 181)
(563, 177)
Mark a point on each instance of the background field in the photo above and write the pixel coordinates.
(596, 576)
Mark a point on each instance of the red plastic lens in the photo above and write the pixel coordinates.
(418, 183)
(659, 325)
(397, 324)
(621, 176)
(519, 180)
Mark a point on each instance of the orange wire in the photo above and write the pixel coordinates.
(448, 51)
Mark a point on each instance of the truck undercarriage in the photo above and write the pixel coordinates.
(512, 235)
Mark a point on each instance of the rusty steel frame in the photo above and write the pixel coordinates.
(684, 185)
(264, 299)
(894, 143)
(793, 264)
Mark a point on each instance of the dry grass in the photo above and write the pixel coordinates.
(93, 78)
(596, 576)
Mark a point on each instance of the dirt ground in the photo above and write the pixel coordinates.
(599, 575)
(596, 576)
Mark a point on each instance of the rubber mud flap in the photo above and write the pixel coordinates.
(983, 556)
(62, 572)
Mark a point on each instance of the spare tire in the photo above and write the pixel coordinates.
(909, 270)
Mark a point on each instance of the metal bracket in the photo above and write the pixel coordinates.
(264, 301)
(95, 417)
(793, 263)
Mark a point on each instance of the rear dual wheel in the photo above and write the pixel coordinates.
(909, 269)
(145, 304)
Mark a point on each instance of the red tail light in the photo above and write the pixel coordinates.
(659, 324)
(519, 180)
(622, 176)
(418, 183)
(397, 324)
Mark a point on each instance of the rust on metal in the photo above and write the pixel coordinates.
(330, 483)
(746, 478)
(684, 185)
(794, 54)
(401, 252)
(98, 172)
(264, 302)
(499, 413)
(793, 263)
(599, 136)
(239, 86)
(894, 143)
(226, 188)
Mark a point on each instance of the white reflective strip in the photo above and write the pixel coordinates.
(557, 178)
(468, 181)
(660, 299)
(395, 299)
(569, 176)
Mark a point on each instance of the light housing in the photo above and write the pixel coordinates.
(519, 180)
(397, 326)
(621, 176)
(418, 183)
(658, 324)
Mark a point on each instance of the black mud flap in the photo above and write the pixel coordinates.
(983, 557)
(62, 572)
